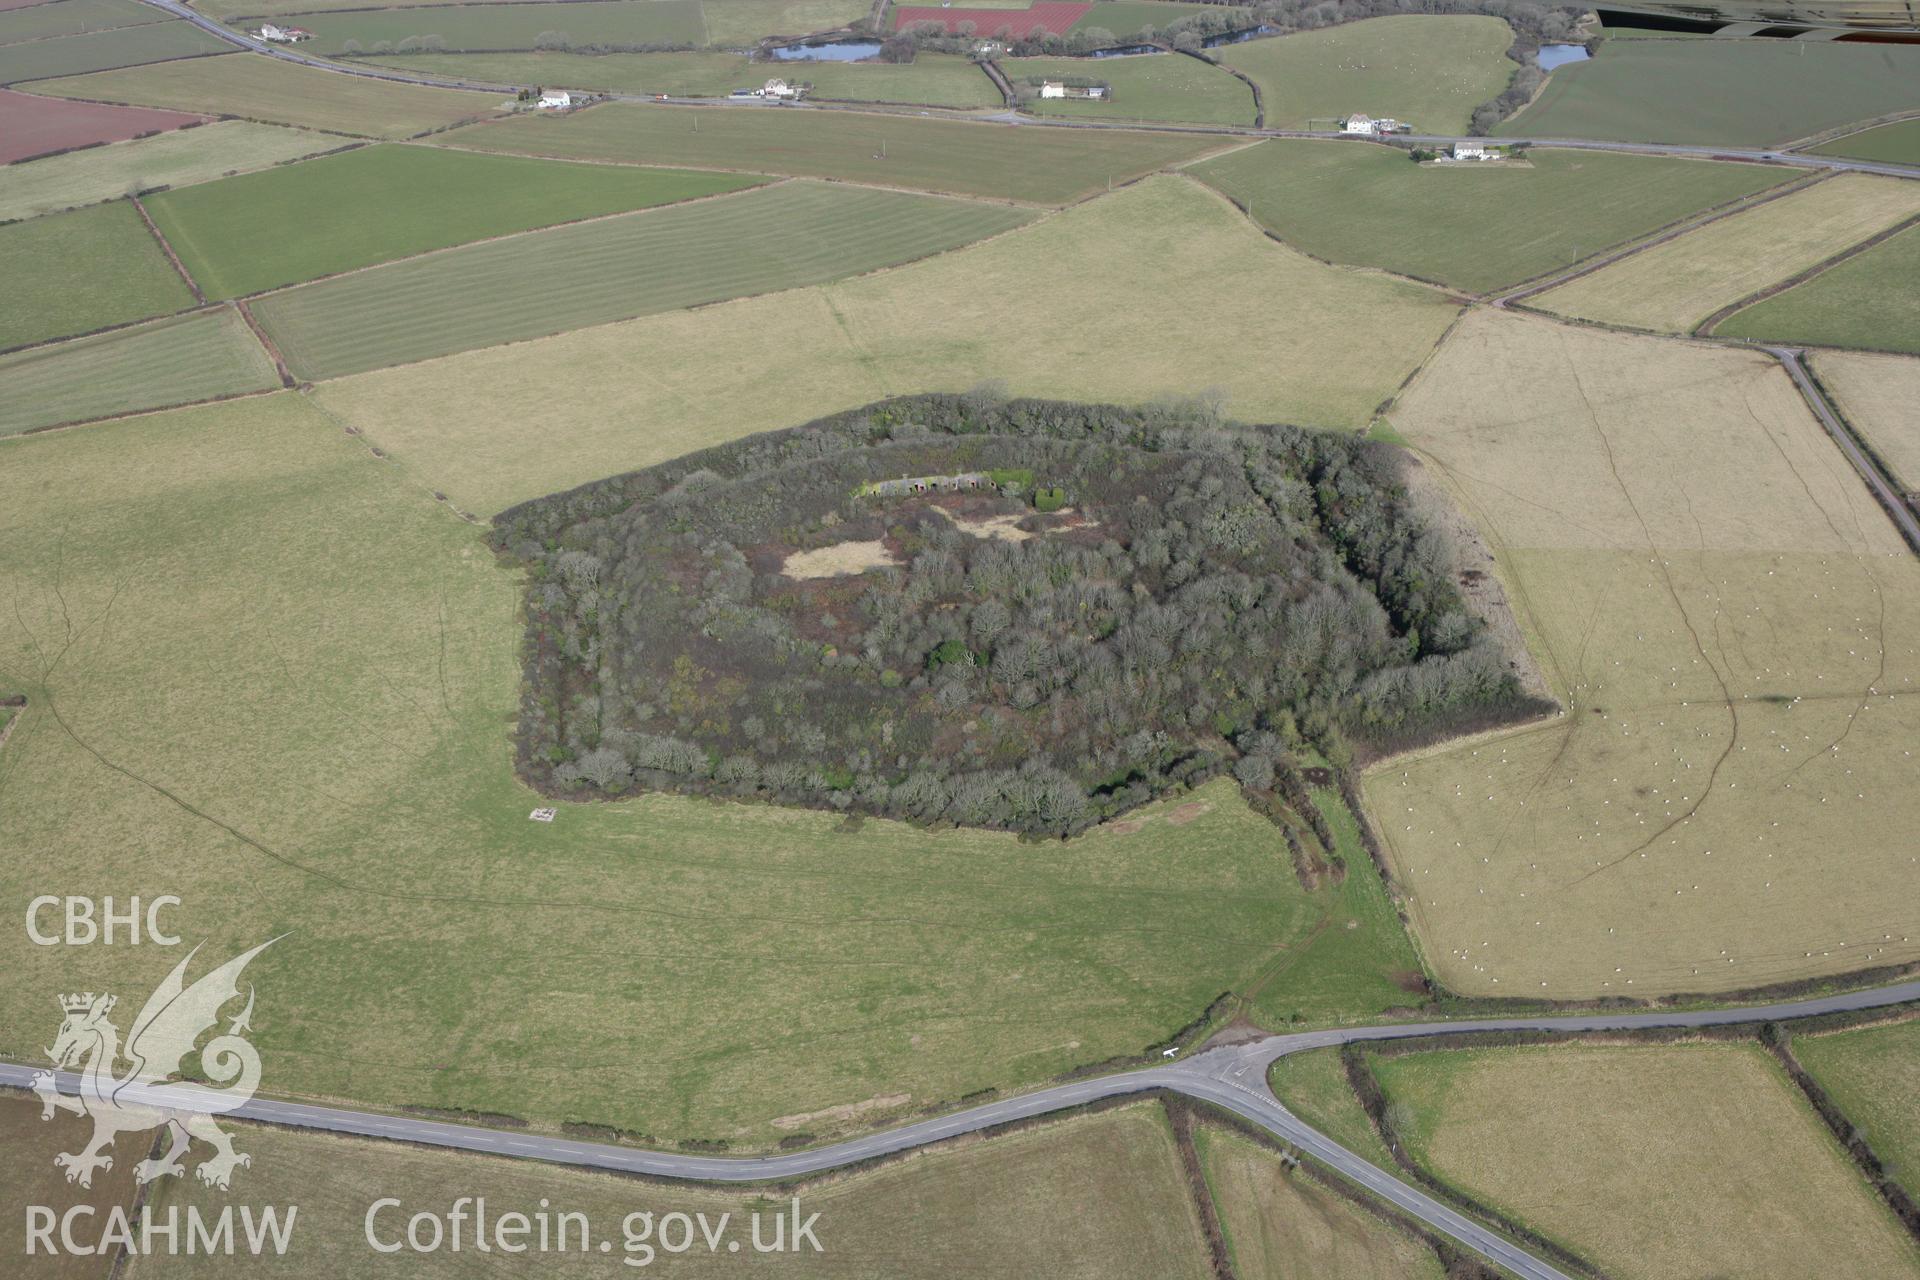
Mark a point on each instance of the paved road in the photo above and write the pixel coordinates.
(354, 68)
(1234, 1077)
(1890, 498)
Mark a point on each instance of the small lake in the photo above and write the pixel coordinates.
(1559, 55)
(1130, 51)
(839, 51)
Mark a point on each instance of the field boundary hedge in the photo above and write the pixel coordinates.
(1706, 327)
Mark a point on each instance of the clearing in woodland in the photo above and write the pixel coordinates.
(1728, 618)
(545, 282)
(390, 202)
(175, 360)
(1092, 1195)
(1674, 286)
(1566, 1138)
(1874, 1074)
(349, 648)
(1481, 227)
(1429, 71)
(177, 159)
(1880, 398)
(282, 93)
(1287, 1222)
(628, 395)
(1010, 162)
(76, 272)
(1867, 302)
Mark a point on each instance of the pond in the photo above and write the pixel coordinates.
(1236, 37)
(1559, 55)
(1127, 51)
(839, 51)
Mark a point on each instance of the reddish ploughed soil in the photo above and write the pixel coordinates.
(33, 126)
(1055, 15)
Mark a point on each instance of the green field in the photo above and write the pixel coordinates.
(76, 272)
(473, 424)
(347, 649)
(1000, 161)
(1314, 1086)
(1897, 143)
(1429, 71)
(172, 361)
(739, 23)
(103, 50)
(1282, 1223)
(1867, 302)
(1649, 1160)
(1479, 227)
(1874, 1074)
(798, 233)
(690, 74)
(264, 89)
(929, 80)
(1144, 87)
(180, 158)
(1127, 17)
(73, 17)
(1746, 93)
(1088, 1196)
(1676, 286)
(391, 202)
(478, 27)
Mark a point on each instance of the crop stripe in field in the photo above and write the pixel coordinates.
(767, 240)
(1706, 327)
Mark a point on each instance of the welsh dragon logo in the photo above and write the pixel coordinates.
(151, 1093)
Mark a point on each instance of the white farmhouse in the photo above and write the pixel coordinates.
(274, 34)
(555, 100)
(1474, 151)
(779, 89)
(1053, 89)
(1360, 126)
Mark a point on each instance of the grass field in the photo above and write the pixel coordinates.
(1126, 17)
(1651, 1161)
(1000, 161)
(794, 234)
(1880, 398)
(171, 361)
(1089, 1196)
(1314, 1086)
(477, 27)
(1866, 302)
(1675, 286)
(73, 17)
(738, 23)
(1431, 71)
(1897, 143)
(29, 1177)
(1284, 1223)
(929, 80)
(75, 272)
(390, 202)
(472, 422)
(262, 89)
(693, 73)
(1874, 1074)
(103, 50)
(1728, 617)
(1144, 87)
(321, 660)
(1480, 228)
(1719, 92)
(176, 159)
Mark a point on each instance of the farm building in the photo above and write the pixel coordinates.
(906, 486)
(555, 100)
(1360, 125)
(274, 34)
(1475, 151)
(1060, 89)
(780, 89)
